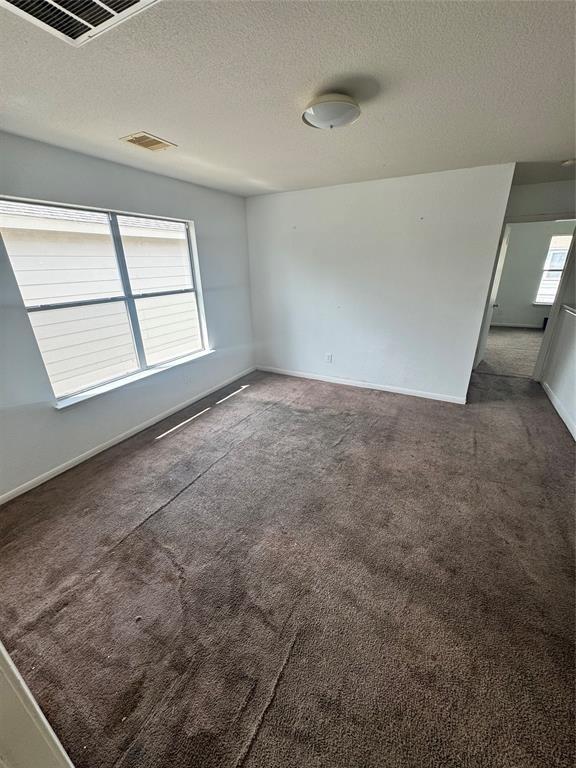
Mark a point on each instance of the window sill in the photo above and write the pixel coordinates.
(66, 402)
(542, 304)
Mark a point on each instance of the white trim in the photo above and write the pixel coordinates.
(197, 278)
(366, 385)
(117, 439)
(109, 386)
(562, 412)
(26, 739)
(490, 303)
(93, 208)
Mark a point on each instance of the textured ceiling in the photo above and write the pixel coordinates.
(536, 173)
(441, 85)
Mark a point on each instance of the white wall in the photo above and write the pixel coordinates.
(559, 377)
(391, 277)
(36, 438)
(528, 245)
(26, 738)
(533, 200)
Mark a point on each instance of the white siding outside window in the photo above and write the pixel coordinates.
(170, 326)
(156, 254)
(85, 346)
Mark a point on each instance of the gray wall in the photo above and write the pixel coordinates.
(559, 377)
(390, 277)
(36, 438)
(533, 200)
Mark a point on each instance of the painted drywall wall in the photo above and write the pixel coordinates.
(389, 277)
(558, 352)
(559, 378)
(526, 252)
(556, 198)
(35, 437)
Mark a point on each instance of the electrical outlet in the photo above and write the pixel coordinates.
(328, 357)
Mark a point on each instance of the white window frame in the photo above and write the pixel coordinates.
(129, 299)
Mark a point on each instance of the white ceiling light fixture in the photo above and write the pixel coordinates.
(333, 110)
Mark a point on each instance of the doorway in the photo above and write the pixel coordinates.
(531, 262)
(511, 351)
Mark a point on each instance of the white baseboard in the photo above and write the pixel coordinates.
(366, 385)
(561, 410)
(117, 439)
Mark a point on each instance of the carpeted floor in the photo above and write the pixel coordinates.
(306, 576)
(511, 351)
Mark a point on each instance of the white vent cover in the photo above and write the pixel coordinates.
(148, 141)
(76, 21)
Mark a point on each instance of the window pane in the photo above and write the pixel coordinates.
(170, 327)
(558, 251)
(157, 254)
(85, 346)
(59, 254)
(553, 266)
(556, 259)
(548, 287)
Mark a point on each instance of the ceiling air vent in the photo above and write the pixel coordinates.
(76, 21)
(147, 141)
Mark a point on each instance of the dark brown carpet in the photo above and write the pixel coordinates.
(511, 351)
(306, 576)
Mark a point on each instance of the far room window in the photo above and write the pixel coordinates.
(107, 294)
(553, 268)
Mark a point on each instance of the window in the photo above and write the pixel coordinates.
(108, 295)
(552, 270)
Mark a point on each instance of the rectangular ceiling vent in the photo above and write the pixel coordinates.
(76, 21)
(148, 141)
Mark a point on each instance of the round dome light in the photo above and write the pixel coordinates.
(333, 110)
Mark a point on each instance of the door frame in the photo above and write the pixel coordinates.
(492, 292)
(567, 275)
(496, 273)
(26, 738)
